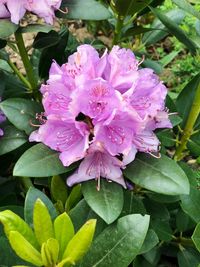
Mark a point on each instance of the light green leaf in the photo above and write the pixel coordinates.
(80, 243)
(159, 175)
(196, 237)
(39, 161)
(74, 197)
(118, 244)
(21, 112)
(24, 249)
(107, 202)
(43, 226)
(12, 222)
(86, 10)
(49, 252)
(64, 231)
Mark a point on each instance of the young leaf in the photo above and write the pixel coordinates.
(32, 195)
(24, 249)
(74, 197)
(43, 226)
(158, 175)
(119, 244)
(196, 237)
(86, 10)
(80, 243)
(12, 222)
(175, 30)
(64, 231)
(107, 202)
(49, 252)
(20, 112)
(39, 161)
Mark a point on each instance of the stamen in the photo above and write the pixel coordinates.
(64, 11)
(142, 60)
(98, 187)
(158, 156)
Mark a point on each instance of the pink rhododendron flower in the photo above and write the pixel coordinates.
(102, 109)
(15, 9)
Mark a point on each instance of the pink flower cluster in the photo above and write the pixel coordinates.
(103, 109)
(15, 9)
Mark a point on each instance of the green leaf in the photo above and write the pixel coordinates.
(188, 258)
(35, 28)
(21, 112)
(12, 139)
(162, 229)
(44, 40)
(58, 189)
(24, 249)
(175, 30)
(32, 195)
(39, 161)
(132, 204)
(183, 221)
(12, 222)
(7, 28)
(107, 202)
(159, 175)
(64, 231)
(74, 197)
(43, 226)
(49, 252)
(118, 244)
(196, 237)
(80, 243)
(130, 7)
(150, 241)
(185, 5)
(177, 15)
(190, 204)
(186, 97)
(86, 10)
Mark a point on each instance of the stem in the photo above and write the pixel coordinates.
(118, 28)
(25, 58)
(188, 131)
(19, 74)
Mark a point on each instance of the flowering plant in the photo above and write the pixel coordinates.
(99, 153)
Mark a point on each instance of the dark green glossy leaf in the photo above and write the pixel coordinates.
(7, 28)
(177, 15)
(132, 204)
(188, 258)
(107, 202)
(119, 244)
(44, 40)
(39, 161)
(190, 204)
(86, 10)
(162, 229)
(31, 197)
(159, 175)
(130, 7)
(12, 139)
(183, 222)
(150, 241)
(36, 28)
(21, 112)
(175, 30)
